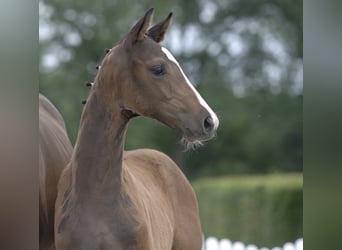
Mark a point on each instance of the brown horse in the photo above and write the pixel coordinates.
(111, 199)
(54, 154)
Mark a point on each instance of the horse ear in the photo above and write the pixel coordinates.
(139, 30)
(157, 32)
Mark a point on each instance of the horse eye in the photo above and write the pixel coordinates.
(158, 70)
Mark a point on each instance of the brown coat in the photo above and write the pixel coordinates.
(135, 200)
(54, 153)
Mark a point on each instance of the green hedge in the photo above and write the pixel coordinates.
(263, 210)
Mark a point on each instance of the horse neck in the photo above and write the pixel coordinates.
(97, 160)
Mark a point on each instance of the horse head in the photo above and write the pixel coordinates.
(146, 80)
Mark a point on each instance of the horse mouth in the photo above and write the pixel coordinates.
(193, 140)
(193, 134)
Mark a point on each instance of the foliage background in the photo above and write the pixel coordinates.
(260, 210)
(245, 58)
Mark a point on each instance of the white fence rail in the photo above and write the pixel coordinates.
(212, 243)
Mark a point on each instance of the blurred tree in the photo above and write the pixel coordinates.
(245, 57)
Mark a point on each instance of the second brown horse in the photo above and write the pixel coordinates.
(54, 154)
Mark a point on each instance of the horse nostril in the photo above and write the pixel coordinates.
(208, 124)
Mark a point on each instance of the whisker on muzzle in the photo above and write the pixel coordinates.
(190, 145)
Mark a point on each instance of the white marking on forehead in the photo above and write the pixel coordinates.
(199, 97)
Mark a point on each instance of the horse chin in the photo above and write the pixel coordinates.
(129, 113)
(192, 142)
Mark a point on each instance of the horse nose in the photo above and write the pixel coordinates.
(208, 124)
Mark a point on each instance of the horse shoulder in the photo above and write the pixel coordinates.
(154, 163)
(179, 192)
(162, 167)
